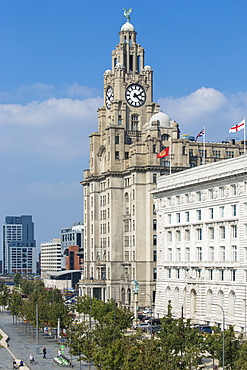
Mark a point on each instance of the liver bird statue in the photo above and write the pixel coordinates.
(127, 13)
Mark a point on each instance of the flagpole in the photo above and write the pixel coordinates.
(244, 136)
(204, 146)
(171, 158)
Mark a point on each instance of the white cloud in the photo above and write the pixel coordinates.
(79, 91)
(53, 127)
(209, 108)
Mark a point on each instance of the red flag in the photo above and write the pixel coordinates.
(164, 153)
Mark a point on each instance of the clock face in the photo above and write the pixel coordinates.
(135, 95)
(109, 96)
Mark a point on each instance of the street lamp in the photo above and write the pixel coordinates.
(151, 327)
(223, 336)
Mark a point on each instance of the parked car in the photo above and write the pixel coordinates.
(142, 326)
(203, 328)
(154, 321)
(152, 329)
(146, 311)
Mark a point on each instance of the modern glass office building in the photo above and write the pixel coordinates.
(19, 246)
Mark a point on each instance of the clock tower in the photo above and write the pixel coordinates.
(119, 214)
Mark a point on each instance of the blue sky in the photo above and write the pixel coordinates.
(53, 56)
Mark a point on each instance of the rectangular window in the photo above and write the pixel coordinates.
(233, 273)
(178, 273)
(199, 253)
(187, 216)
(222, 232)
(169, 236)
(187, 251)
(178, 217)
(234, 189)
(222, 192)
(169, 254)
(211, 213)
(155, 256)
(222, 253)
(234, 253)
(234, 231)
(211, 253)
(154, 224)
(178, 235)
(154, 178)
(210, 274)
(187, 235)
(199, 234)
(178, 254)
(222, 211)
(126, 155)
(117, 155)
(154, 240)
(117, 139)
(169, 218)
(199, 196)
(155, 273)
(169, 273)
(222, 275)
(199, 214)
(211, 233)
(234, 210)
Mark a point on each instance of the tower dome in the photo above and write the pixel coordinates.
(161, 118)
(127, 27)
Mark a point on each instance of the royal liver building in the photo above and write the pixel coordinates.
(119, 215)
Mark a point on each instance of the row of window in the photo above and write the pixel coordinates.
(199, 196)
(176, 235)
(200, 214)
(209, 274)
(176, 254)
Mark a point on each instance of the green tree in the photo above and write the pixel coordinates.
(17, 278)
(241, 361)
(15, 304)
(4, 295)
(231, 348)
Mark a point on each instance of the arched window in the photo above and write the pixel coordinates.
(193, 302)
(209, 301)
(176, 299)
(231, 303)
(165, 137)
(184, 309)
(220, 301)
(129, 297)
(123, 295)
(167, 298)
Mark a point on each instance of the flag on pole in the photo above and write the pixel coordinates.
(238, 127)
(164, 153)
(201, 133)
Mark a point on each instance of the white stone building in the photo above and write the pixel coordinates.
(202, 243)
(50, 257)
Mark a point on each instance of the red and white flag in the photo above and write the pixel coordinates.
(164, 153)
(238, 127)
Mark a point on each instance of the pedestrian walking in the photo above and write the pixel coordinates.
(44, 352)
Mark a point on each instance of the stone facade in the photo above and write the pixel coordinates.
(202, 243)
(119, 217)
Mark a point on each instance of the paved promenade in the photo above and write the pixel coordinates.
(22, 344)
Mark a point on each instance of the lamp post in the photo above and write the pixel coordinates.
(223, 335)
(37, 328)
(151, 326)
